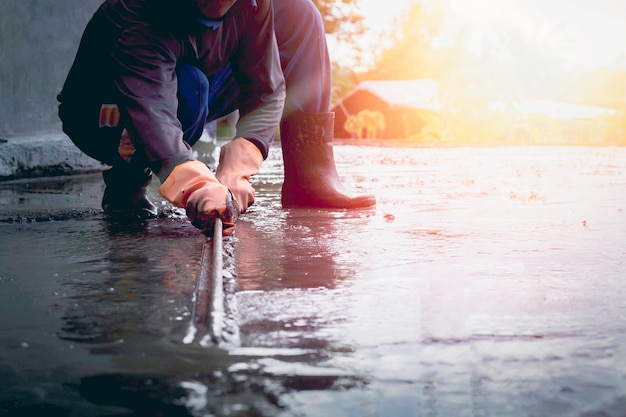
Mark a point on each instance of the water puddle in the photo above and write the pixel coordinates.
(487, 281)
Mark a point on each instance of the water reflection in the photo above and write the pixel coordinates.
(132, 280)
(487, 281)
(290, 252)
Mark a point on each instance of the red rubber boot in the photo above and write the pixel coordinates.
(311, 178)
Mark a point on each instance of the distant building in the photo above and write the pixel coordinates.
(398, 100)
(555, 122)
(408, 106)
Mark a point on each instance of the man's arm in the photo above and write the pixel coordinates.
(146, 82)
(257, 69)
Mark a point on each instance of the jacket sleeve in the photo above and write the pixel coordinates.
(259, 74)
(145, 67)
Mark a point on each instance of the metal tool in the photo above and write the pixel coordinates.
(208, 309)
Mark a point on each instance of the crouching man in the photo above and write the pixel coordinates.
(143, 84)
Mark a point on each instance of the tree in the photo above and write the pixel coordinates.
(407, 52)
(341, 18)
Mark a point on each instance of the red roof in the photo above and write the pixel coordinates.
(421, 94)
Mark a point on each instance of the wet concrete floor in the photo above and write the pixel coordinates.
(488, 281)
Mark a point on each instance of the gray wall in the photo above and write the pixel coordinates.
(38, 40)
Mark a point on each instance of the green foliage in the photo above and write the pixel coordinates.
(344, 81)
(341, 18)
(365, 124)
(435, 127)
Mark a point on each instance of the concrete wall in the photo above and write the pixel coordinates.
(38, 40)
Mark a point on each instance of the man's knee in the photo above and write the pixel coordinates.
(193, 93)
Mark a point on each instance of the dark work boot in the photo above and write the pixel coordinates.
(311, 178)
(125, 193)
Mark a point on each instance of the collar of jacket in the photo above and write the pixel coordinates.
(216, 23)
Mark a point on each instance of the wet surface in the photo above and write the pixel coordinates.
(486, 282)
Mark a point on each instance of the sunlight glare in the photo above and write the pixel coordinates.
(505, 52)
(587, 34)
(379, 15)
(583, 35)
(482, 11)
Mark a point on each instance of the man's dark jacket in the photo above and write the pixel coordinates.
(129, 53)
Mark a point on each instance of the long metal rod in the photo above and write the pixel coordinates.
(217, 283)
(208, 309)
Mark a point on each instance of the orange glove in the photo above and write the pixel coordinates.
(192, 186)
(109, 115)
(239, 160)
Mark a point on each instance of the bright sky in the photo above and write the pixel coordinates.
(593, 31)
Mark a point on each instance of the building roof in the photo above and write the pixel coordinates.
(410, 93)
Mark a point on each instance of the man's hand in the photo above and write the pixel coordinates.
(192, 186)
(239, 160)
(201, 215)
